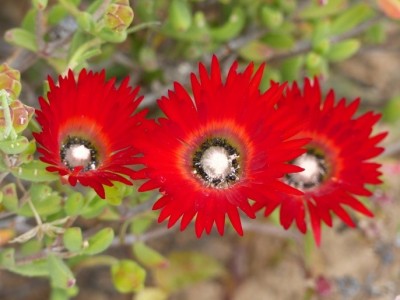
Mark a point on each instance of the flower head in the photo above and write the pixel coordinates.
(219, 148)
(336, 165)
(89, 129)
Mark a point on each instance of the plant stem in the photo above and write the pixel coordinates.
(35, 213)
(9, 130)
(142, 26)
(73, 62)
(70, 7)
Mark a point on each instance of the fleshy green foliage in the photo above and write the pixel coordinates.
(65, 228)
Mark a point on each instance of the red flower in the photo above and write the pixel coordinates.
(88, 129)
(336, 165)
(217, 149)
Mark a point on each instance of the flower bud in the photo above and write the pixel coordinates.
(20, 116)
(272, 18)
(40, 4)
(391, 8)
(10, 80)
(119, 16)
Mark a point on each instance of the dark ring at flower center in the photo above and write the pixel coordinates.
(79, 152)
(216, 163)
(315, 171)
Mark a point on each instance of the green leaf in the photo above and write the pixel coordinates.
(10, 197)
(180, 15)
(94, 5)
(279, 40)
(151, 294)
(271, 18)
(30, 247)
(37, 268)
(291, 67)
(145, 10)
(45, 201)
(56, 13)
(128, 276)
(27, 155)
(21, 38)
(321, 30)
(186, 268)
(73, 239)
(89, 54)
(110, 36)
(7, 259)
(256, 51)
(29, 21)
(86, 22)
(78, 40)
(351, 18)
(197, 32)
(391, 111)
(60, 274)
(15, 146)
(141, 223)
(376, 34)
(34, 171)
(99, 241)
(287, 6)
(73, 204)
(95, 206)
(316, 11)
(231, 28)
(322, 46)
(313, 61)
(343, 50)
(148, 256)
(115, 193)
(62, 294)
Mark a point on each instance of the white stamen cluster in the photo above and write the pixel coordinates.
(217, 163)
(313, 173)
(77, 155)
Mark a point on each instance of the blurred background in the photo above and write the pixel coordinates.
(353, 46)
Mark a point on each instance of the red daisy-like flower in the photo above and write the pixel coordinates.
(336, 165)
(218, 149)
(89, 129)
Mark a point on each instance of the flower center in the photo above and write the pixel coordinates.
(78, 152)
(216, 163)
(314, 173)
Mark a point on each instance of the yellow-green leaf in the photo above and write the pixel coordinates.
(351, 18)
(14, 146)
(231, 28)
(34, 269)
(21, 38)
(128, 276)
(60, 274)
(180, 15)
(315, 10)
(99, 241)
(10, 197)
(343, 50)
(74, 204)
(73, 239)
(148, 256)
(34, 171)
